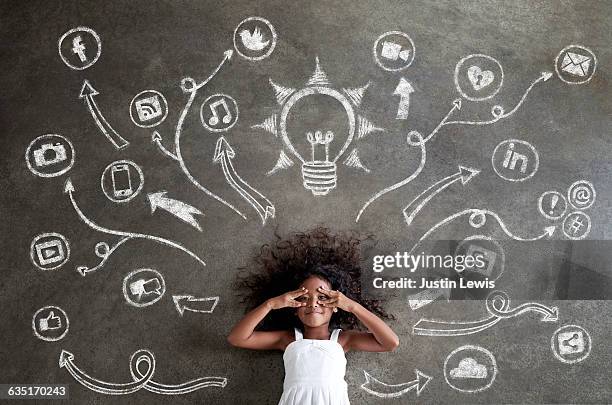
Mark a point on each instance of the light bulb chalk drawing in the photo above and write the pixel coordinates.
(191, 87)
(189, 303)
(179, 209)
(498, 307)
(384, 390)
(103, 250)
(465, 174)
(224, 154)
(477, 219)
(319, 169)
(141, 380)
(88, 93)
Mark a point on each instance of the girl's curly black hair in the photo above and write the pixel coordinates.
(282, 266)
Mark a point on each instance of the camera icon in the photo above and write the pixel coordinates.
(49, 154)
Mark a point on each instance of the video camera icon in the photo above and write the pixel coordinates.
(394, 51)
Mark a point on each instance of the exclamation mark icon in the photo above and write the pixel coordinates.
(553, 203)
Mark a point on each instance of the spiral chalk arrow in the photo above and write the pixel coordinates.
(383, 390)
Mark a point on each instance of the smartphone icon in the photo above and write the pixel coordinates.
(122, 184)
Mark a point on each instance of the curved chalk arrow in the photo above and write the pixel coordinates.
(478, 219)
(421, 144)
(383, 390)
(156, 138)
(190, 303)
(189, 86)
(224, 155)
(456, 107)
(141, 380)
(465, 174)
(181, 210)
(125, 236)
(497, 305)
(88, 93)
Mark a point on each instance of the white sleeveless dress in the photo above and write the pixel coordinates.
(314, 372)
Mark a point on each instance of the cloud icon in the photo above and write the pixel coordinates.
(469, 368)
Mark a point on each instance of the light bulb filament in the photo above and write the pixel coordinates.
(318, 138)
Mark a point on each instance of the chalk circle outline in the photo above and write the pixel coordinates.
(135, 193)
(46, 338)
(155, 123)
(72, 31)
(474, 348)
(54, 174)
(460, 65)
(561, 197)
(477, 219)
(502, 260)
(587, 184)
(584, 48)
(310, 91)
(553, 347)
(588, 230)
(530, 146)
(272, 30)
(377, 59)
(205, 103)
(146, 304)
(45, 235)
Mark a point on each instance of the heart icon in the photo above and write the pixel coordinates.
(479, 78)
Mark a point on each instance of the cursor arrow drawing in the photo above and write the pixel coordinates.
(403, 89)
(465, 174)
(383, 390)
(428, 296)
(190, 303)
(224, 155)
(88, 93)
(181, 210)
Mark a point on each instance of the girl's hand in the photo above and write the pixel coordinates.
(335, 299)
(288, 299)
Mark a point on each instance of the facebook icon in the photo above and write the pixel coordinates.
(79, 48)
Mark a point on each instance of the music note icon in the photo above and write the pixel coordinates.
(224, 113)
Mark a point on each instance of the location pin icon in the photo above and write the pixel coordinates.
(553, 203)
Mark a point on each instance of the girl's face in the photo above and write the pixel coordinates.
(313, 314)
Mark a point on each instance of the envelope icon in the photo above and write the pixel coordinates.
(575, 64)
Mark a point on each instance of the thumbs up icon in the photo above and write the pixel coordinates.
(51, 322)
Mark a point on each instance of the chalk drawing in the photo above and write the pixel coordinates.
(148, 109)
(283, 162)
(141, 380)
(403, 90)
(224, 154)
(498, 306)
(50, 323)
(366, 127)
(383, 390)
(465, 174)
(394, 51)
(49, 251)
(189, 303)
(478, 218)
(426, 297)
(478, 77)
(219, 113)
(179, 209)
(268, 125)
(515, 160)
(353, 160)
(576, 225)
(575, 64)
(121, 181)
(356, 94)
(50, 155)
(581, 194)
(470, 369)
(76, 53)
(413, 139)
(156, 138)
(493, 255)
(88, 93)
(571, 344)
(552, 205)
(103, 250)
(254, 38)
(143, 287)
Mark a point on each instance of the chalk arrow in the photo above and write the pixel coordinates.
(88, 93)
(465, 174)
(428, 296)
(382, 390)
(156, 138)
(224, 154)
(190, 303)
(181, 210)
(403, 89)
